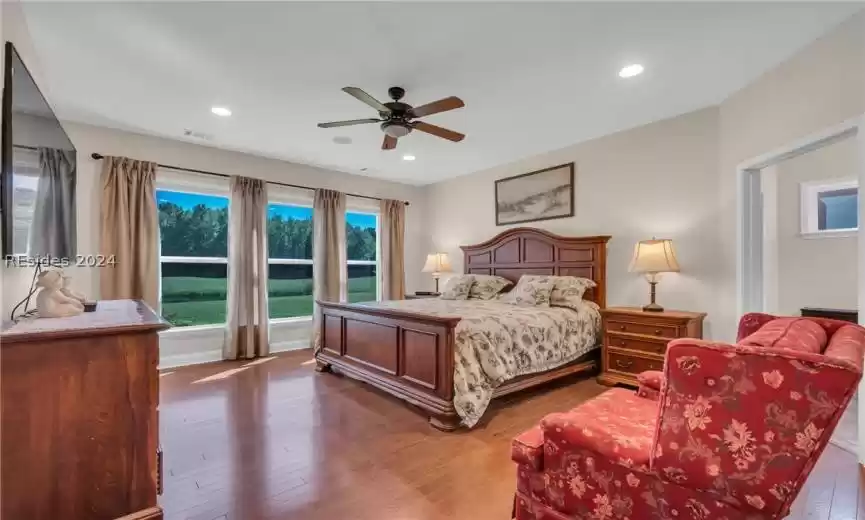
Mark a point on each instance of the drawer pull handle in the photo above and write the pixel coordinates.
(658, 332)
(621, 343)
(624, 364)
(621, 327)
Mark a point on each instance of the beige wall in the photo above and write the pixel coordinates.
(657, 180)
(819, 87)
(677, 178)
(89, 139)
(814, 272)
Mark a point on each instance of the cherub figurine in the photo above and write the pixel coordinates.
(68, 291)
(51, 302)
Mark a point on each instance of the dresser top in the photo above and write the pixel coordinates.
(110, 317)
(638, 311)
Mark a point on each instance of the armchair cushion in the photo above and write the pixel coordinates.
(528, 448)
(651, 382)
(798, 334)
(846, 344)
(617, 425)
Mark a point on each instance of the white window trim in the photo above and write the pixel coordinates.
(808, 196)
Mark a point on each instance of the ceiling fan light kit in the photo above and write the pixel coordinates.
(397, 118)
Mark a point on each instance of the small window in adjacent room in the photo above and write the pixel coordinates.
(361, 231)
(193, 231)
(830, 208)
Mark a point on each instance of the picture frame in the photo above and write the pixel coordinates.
(534, 196)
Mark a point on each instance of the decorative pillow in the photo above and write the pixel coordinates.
(458, 287)
(799, 334)
(531, 290)
(486, 287)
(569, 290)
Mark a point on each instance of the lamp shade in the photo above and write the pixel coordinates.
(437, 263)
(654, 256)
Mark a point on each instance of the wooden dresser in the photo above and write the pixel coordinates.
(636, 340)
(79, 415)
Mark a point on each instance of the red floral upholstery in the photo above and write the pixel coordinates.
(736, 431)
(651, 382)
(789, 333)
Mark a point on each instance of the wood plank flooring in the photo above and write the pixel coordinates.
(273, 440)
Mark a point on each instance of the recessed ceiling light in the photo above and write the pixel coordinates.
(631, 70)
(221, 111)
(408, 157)
(342, 139)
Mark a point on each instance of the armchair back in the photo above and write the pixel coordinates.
(747, 423)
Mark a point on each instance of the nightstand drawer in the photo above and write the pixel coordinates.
(623, 362)
(633, 343)
(615, 324)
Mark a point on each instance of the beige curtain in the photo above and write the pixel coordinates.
(329, 272)
(392, 254)
(129, 230)
(247, 334)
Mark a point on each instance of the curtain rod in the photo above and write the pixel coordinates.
(99, 157)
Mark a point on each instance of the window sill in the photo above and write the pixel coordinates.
(192, 329)
(288, 321)
(835, 233)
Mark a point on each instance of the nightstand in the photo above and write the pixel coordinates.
(635, 340)
(420, 296)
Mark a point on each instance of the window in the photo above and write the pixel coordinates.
(289, 244)
(362, 254)
(830, 209)
(193, 232)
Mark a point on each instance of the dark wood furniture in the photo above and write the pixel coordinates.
(411, 356)
(79, 415)
(835, 314)
(636, 340)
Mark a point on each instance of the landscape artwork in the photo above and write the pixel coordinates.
(539, 195)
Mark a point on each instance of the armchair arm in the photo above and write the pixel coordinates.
(651, 382)
(729, 411)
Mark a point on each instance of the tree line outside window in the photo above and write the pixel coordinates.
(194, 265)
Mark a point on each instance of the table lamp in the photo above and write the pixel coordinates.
(653, 257)
(437, 263)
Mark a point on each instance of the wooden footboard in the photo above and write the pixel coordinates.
(408, 355)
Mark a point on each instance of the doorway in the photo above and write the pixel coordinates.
(758, 250)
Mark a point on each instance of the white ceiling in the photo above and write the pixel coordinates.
(534, 77)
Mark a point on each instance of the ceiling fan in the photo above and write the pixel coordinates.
(396, 117)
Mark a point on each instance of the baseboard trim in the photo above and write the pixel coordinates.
(194, 358)
(285, 346)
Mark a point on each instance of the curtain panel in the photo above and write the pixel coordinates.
(329, 270)
(392, 253)
(129, 230)
(247, 334)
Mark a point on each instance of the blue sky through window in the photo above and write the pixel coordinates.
(190, 200)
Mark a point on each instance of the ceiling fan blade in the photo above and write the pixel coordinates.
(366, 98)
(348, 123)
(389, 143)
(438, 131)
(442, 105)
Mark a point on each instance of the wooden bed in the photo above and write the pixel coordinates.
(411, 356)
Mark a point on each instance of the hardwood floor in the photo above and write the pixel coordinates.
(274, 440)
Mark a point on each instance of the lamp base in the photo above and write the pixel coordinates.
(653, 307)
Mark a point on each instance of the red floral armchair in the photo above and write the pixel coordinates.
(725, 432)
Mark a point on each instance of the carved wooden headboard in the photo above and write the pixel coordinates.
(520, 251)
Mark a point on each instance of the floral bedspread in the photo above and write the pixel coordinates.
(496, 342)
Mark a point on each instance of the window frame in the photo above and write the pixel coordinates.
(282, 199)
(189, 186)
(809, 207)
(377, 262)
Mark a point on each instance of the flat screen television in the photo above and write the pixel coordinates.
(39, 170)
